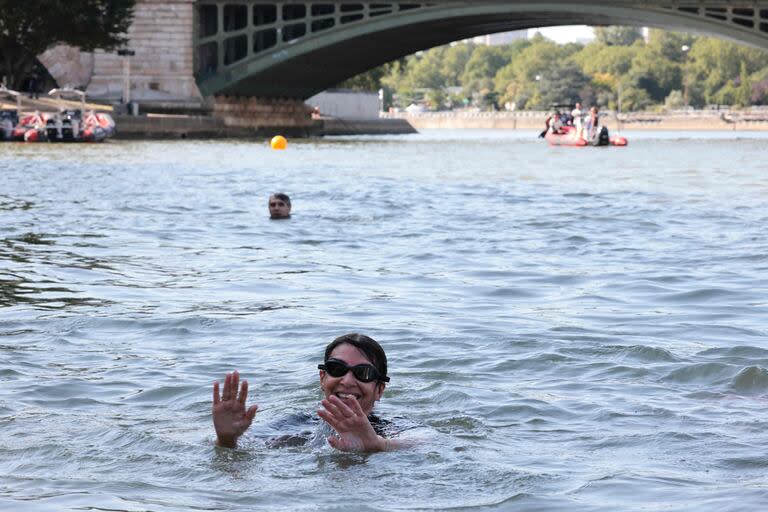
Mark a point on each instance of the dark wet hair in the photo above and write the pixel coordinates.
(367, 345)
(283, 197)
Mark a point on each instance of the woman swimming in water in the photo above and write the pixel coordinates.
(353, 377)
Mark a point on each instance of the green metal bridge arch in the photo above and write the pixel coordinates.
(293, 49)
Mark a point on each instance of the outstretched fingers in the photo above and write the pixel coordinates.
(234, 385)
(353, 406)
(342, 407)
(243, 393)
(342, 416)
(330, 407)
(329, 418)
(229, 390)
(226, 387)
(231, 418)
(250, 414)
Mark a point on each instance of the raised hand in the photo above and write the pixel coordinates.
(355, 432)
(230, 417)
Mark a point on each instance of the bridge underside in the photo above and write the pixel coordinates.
(297, 53)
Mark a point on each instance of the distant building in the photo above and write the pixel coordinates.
(346, 104)
(565, 34)
(500, 38)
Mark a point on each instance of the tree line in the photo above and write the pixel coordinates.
(669, 70)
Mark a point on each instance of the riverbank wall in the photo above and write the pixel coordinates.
(207, 126)
(754, 120)
(172, 126)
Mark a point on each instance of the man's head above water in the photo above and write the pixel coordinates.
(279, 206)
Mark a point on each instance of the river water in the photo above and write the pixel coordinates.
(569, 329)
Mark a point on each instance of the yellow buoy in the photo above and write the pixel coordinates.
(278, 142)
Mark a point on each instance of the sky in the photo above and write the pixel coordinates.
(567, 34)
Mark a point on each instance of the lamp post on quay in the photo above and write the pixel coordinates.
(685, 49)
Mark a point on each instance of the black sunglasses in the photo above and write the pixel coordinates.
(362, 372)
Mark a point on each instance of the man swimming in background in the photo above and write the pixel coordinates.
(279, 206)
(353, 377)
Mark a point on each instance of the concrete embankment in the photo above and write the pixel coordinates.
(166, 126)
(690, 121)
(161, 126)
(336, 126)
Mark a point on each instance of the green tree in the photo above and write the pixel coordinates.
(669, 45)
(455, 60)
(29, 28)
(656, 74)
(561, 84)
(713, 63)
(517, 81)
(425, 70)
(674, 100)
(614, 60)
(435, 99)
(481, 68)
(537, 72)
(744, 91)
(371, 80)
(760, 87)
(617, 35)
(726, 95)
(634, 99)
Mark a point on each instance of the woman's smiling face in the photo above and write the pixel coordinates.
(347, 386)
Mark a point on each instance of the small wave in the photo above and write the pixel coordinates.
(460, 425)
(510, 292)
(705, 395)
(536, 362)
(738, 351)
(162, 394)
(9, 203)
(630, 372)
(73, 403)
(757, 462)
(751, 380)
(579, 194)
(695, 296)
(701, 373)
(34, 239)
(648, 354)
(514, 414)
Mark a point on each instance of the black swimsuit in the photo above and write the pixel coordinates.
(304, 427)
